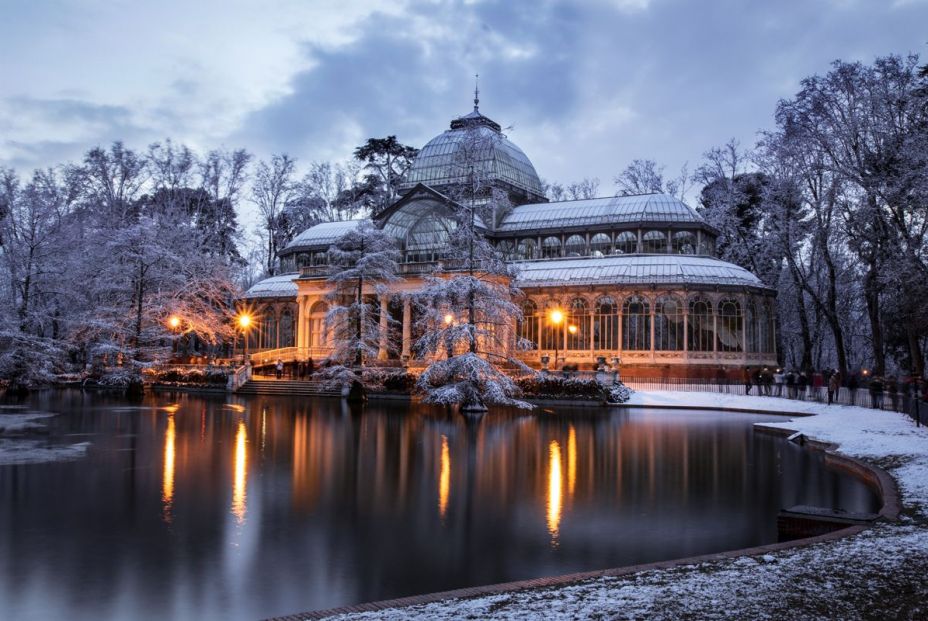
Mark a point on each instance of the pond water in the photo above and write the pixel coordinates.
(242, 508)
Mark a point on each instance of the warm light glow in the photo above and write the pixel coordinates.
(444, 478)
(240, 473)
(244, 321)
(554, 491)
(167, 478)
(572, 329)
(556, 317)
(174, 321)
(449, 318)
(571, 461)
(171, 409)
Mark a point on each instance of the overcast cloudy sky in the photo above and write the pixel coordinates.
(586, 86)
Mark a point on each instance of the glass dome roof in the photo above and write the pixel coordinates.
(446, 158)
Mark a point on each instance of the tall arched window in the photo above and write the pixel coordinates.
(506, 249)
(626, 243)
(286, 329)
(575, 246)
(578, 325)
(606, 325)
(552, 335)
(268, 337)
(600, 245)
(317, 328)
(699, 326)
(684, 242)
(636, 324)
(668, 324)
(527, 250)
(528, 328)
(654, 242)
(730, 326)
(550, 247)
(752, 335)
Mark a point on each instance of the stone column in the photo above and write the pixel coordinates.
(407, 326)
(384, 341)
(298, 325)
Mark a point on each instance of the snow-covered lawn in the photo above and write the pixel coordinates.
(881, 573)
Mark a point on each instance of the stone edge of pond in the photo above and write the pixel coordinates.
(873, 476)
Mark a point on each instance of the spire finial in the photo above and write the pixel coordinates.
(476, 91)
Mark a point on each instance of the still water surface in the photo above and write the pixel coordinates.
(242, 508)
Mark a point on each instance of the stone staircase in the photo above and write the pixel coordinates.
(303, 388)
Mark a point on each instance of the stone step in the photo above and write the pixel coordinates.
(286, 387)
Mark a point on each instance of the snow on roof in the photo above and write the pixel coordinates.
(642, 208)
(321, 235)
(674, 269)
(274, 287)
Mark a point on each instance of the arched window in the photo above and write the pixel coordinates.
(600, 245)
(320, 258)
(268, 331)
(626, 243)
(575, 246)
(427, 239)
(636, 324)
(654, 242)
(317, 328)
(303, 259)
(751, 334)
(730, 326)
(606, 325)
(668, 324)
(684, 242)
(506, 249)
(707, 246)
(528, 327)
(699, 325)
(286, 329)
(552, 335)
(527, 250)
(550, 247)
(578, 325)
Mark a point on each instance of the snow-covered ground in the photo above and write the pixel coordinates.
(878, 574)
(18, 444)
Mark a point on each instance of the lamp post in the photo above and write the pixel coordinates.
(449, 319)
(572, 330)
(556, 317)
(244, 321)
(174, 324)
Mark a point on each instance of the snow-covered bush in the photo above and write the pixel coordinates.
(557, 387)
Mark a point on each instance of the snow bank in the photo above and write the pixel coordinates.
(876, 574)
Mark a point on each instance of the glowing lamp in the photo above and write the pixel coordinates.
(174, 321)
(572, 329)
(244, 321)
(449, 318)
(557, 317)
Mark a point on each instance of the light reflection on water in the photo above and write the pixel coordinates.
(331, 506)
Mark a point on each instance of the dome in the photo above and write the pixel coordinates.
(444, 160)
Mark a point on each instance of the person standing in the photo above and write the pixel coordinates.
(778, 380)
(280, 368)
(747, 380)
(852, 384)
(876, 392)
(834, 387)
(818, 381)
(802, 383)
(791, 384)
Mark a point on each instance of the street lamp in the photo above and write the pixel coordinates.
(449, 319)
(556, 317)
(244, 321)
(174, 324)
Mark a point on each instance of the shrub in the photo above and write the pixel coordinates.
(558, 387)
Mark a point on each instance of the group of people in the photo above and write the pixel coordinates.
(802, 385)
(300, 369)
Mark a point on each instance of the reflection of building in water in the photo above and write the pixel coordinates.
(634, 276)
(167, 478)
(240, 473)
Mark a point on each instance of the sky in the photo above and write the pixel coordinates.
(582, 86)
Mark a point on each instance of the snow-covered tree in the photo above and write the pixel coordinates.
(467, 308)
